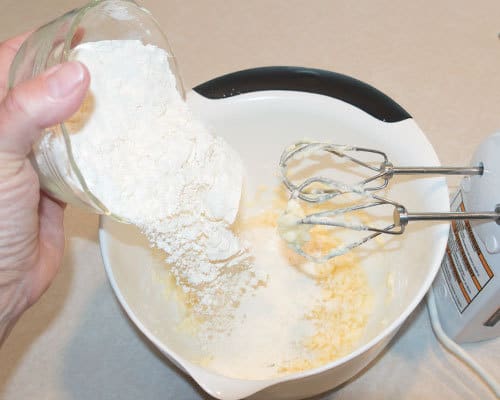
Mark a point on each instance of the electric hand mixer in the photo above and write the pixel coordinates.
(319, 189)
(470, 311)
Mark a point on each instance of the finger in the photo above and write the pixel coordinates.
(8, 50)
(12, 45)
(39, 103)
(51, 242)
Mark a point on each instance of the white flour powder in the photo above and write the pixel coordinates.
(145, 156)
(151, 162)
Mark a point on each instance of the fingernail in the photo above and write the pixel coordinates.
(63, 79)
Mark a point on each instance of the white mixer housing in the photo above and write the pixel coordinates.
(467, 287)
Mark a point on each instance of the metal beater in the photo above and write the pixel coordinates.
(381, 171)
(321, 189)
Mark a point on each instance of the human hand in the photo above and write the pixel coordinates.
(31, 223)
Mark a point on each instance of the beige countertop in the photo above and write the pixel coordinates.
(438, 59)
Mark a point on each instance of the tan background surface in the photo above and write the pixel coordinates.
(439, 59)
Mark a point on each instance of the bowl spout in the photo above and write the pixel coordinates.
(225, 388)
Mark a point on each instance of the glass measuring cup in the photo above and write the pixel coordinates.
(52, 155)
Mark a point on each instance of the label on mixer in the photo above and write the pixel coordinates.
(464, 266)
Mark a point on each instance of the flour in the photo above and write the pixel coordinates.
(253, 308)
(270, 325)
(150, 161)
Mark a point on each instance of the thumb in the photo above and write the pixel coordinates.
(46, 100)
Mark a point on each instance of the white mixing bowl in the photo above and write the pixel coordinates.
(259, 112)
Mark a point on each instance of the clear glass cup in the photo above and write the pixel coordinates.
(52, 156)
